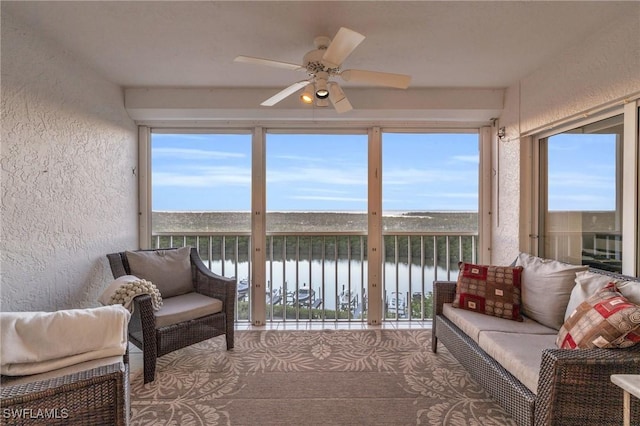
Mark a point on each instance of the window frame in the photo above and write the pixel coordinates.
(630, 185)
(258, 189)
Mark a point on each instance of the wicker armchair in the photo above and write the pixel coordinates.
(156, 341)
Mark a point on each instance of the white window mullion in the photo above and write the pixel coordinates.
(144, 187)
(631, 192)
(258, 228)
(375, 242)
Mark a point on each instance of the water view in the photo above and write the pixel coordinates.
(317, 260)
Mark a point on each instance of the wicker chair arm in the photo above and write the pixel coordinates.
(87, 397)
(211, 284)
(576, 384)
(443, 292)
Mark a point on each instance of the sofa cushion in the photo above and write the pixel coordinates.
(472, 323)
(519, 354)
(587, 283)
(490, 290)
(546, 288)
(605, 320)
(186, 307)
(169, 270)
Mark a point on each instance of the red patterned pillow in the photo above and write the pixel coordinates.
(490, 290)
(605, 320)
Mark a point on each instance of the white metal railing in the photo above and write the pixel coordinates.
(323, 277)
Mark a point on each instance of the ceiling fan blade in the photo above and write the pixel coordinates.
(343, 44)
(268, 62)
(399, 81)
(284, 93)
(338, 98)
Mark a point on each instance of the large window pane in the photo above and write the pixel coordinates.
(316, 226)
(201, 182)
(582, 206)
(429, 191)
(316, 182)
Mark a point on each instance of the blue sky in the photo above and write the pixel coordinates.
(582, 172)
(212, 172)
(325, 172)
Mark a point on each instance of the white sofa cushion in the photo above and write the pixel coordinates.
(519, 354)
(472, 323)
(546, 288)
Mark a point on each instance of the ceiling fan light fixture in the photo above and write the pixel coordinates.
(322, 103)
(322, 92)
(307, 95)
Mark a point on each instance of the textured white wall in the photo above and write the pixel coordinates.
(68, 192)
(601, 69)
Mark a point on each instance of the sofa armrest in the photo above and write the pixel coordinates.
(575, 386)
(443, 292)
(96, 396)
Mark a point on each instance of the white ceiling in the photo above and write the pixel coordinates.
(192, 44)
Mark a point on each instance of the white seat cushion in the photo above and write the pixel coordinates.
(472, 323)
(186, 307)
(519, 354)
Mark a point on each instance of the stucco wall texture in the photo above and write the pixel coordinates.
(68, 189)
(600, 69)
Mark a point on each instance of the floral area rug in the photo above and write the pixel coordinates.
(324, 377)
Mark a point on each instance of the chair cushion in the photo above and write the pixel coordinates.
(186, 307)
(546, 288)
(169, 270)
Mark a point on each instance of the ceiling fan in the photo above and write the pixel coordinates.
(323, 63)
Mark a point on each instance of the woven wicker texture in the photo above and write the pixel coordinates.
(99, 396)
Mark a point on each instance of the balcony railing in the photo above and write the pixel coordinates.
(323, 277)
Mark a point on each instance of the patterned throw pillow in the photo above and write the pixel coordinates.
(490, 290)
(605, 320)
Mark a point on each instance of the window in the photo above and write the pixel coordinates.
(201, 196)
(581, 195)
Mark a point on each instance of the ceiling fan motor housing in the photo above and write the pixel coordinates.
(313, 63)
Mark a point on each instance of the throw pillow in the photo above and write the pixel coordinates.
(169, 270)
(490, 290)
(587, 283)
(605, 320)
(546, 288)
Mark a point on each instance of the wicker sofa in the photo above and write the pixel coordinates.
(573, 386)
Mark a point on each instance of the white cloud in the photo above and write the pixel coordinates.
(327, 198)
(194, 154)
(210, 177)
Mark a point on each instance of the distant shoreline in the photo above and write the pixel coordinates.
(314, 221)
